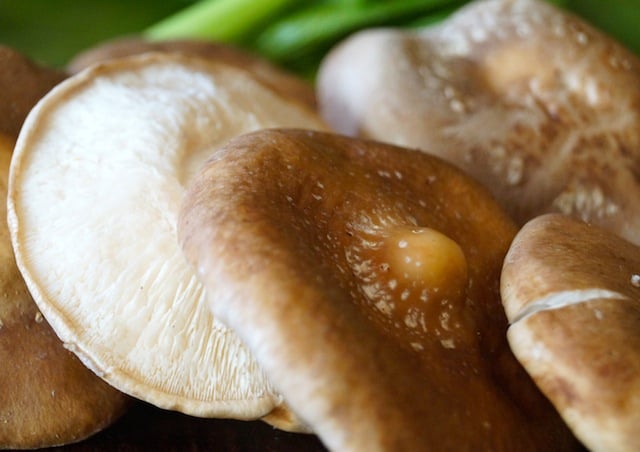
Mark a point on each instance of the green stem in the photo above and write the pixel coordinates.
(324, 24)
(217, 20)
(435, 17)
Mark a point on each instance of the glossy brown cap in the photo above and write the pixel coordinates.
(364, 279)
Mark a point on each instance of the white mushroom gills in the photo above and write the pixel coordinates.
(102, 165)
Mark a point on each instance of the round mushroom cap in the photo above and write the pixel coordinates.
(273, 76)
(534, 103)
(96, 180)
(364, 279)
(572, 295)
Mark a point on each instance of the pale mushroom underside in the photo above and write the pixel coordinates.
(99, 172)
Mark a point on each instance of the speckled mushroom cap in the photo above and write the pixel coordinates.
(275, 77)
(364, 279)
(47, 396)
(534, 103)
(572, 295)
(101, 164)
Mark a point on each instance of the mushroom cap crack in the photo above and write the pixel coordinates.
(559, 300)
(571, 291)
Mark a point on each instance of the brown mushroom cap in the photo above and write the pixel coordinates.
(48, 397)
(537, 105)
(276, 78)
(572, 294)
(101, 165)
(364, 279)
(22, 84)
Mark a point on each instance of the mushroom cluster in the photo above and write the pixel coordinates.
(190, 227)
(544, 111)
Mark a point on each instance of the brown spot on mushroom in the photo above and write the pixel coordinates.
(534, 103)
(574, 310)
(301, 240)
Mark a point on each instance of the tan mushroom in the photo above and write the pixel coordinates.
(276, 78)
(47, 396)
(364, 278)
(572, 295)
(100, 166)
(537, 105)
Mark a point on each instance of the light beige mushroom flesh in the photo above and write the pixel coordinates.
(364, 279)
(275, 77)
(96, 180)
(572, 295)
(47, 397)
(534, 103)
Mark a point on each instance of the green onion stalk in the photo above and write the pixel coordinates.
(298, 34)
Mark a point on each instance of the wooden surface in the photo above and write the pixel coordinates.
(146, 428)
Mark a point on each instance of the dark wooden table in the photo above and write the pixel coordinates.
(146, 428)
